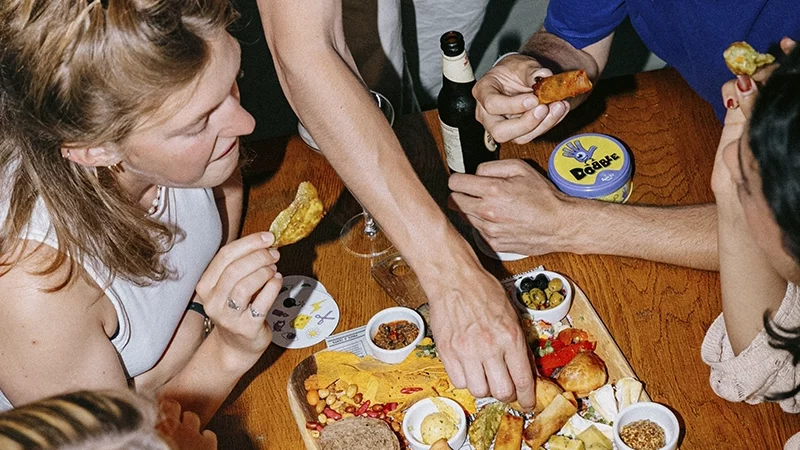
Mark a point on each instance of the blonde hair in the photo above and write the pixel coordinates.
(83, 73)
(86, 420)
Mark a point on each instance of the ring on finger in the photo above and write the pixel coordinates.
(233, 305)
(255, 313)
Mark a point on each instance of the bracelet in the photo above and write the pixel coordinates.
(208, 325)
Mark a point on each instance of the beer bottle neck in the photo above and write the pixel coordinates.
(457, 68)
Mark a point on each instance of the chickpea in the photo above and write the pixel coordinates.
(329, 400)
(322, 418)
(323, 393)
(312, 397)
(314, 433)
(320, 407)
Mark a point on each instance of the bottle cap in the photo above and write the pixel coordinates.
(592, 165)
(452, 43)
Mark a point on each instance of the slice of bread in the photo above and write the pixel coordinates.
(358, 433)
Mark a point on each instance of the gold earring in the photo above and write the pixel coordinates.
(116, 167)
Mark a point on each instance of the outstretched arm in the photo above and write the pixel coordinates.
(475, 325)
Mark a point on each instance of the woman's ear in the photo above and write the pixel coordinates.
(104, 155)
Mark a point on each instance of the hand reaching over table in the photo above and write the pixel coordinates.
(507, 106)
(513, 207)
(478, 336)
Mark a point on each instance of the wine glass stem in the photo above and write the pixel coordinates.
(369, 225)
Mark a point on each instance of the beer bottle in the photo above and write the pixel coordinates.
(466, 143)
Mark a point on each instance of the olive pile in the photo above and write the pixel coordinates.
(540, 293)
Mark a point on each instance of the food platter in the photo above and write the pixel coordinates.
(582, 315)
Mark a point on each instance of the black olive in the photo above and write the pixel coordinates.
(526, 284)
(540, 282)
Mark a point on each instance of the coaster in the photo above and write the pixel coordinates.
(290, 281)
(488, 251)
(302, 316)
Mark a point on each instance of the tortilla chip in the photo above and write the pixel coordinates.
(384, 383)
(300, 218)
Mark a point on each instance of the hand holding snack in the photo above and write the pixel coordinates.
(237, 289)
(561, 86)
(507, 106)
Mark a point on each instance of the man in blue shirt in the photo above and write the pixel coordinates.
(577, 34)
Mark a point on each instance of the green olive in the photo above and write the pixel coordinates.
(555, 285)
(527, 300)
(538, 298)
(555, 299)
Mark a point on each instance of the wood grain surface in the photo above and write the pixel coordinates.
(657, 313)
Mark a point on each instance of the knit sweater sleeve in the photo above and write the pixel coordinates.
(760, 370)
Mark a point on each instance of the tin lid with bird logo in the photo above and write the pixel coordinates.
(591, 165)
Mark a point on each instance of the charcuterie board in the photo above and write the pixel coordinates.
(582, 315)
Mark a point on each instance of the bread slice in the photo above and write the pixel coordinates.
(358, 433)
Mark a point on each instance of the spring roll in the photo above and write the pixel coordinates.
(561, 86)
(549, 421)
(509, 435)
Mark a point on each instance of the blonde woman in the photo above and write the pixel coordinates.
(102, 420)
(121, 201)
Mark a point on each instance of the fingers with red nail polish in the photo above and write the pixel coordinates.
(730, 103)
(744, 84)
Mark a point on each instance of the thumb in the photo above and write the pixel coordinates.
(746, 93)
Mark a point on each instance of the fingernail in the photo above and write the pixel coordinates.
(529, 103)
(274, 252)
(277, 275)
(557, 108)
(267, 237)
(744, 84)
(730, 103)
(540, 112)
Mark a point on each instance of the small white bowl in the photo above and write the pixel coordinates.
(412, 423)
(655, 412)
(390, 315)
(551, 315)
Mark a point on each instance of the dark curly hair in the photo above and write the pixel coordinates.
(775, 143)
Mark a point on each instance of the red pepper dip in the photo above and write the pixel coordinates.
(395, 335)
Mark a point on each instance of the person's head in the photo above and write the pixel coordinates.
(145, 85)
(83, 420)
(766, 168)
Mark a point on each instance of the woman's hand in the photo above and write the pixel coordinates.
(182, 431)
(237, 289)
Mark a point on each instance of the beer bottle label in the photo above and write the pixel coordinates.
(452, 147)
(457, 68)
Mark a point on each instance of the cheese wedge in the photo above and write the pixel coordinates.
(628, 391)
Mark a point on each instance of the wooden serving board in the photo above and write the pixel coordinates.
(582, 315)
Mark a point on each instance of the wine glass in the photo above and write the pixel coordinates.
(361, 235)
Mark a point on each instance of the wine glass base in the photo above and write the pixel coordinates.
(359, 243)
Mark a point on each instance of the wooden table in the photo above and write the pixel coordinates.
(657, 313)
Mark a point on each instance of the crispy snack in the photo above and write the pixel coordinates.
(300, 218)
(509, 435)
(743, 59)
(561, 86)
(549, 421)
(484, 428)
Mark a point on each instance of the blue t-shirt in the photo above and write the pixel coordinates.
(688, 35)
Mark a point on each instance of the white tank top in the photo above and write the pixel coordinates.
(149, 315)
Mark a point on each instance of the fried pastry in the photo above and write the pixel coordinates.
(561, 86)
(585, 373)
(743, 59)
(300, 218)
